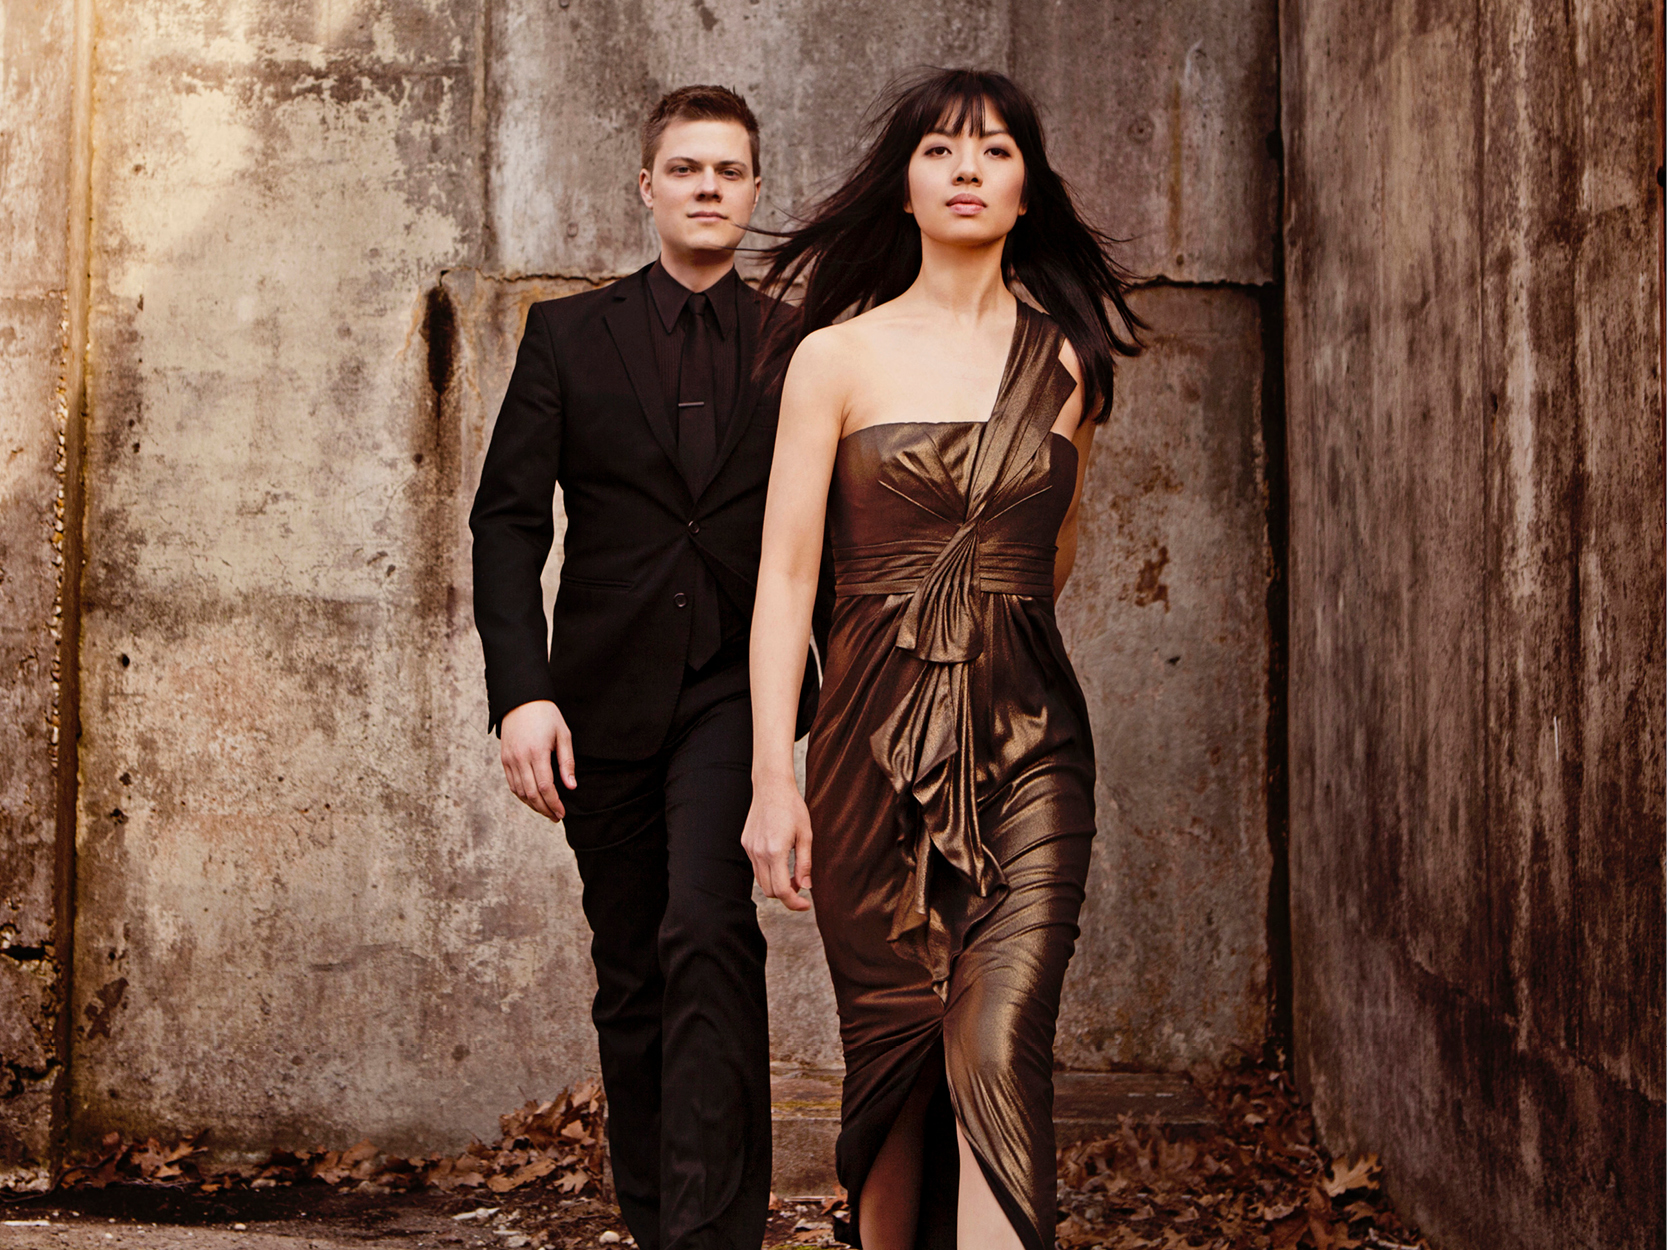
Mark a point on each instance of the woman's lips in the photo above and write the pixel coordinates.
(966, 205)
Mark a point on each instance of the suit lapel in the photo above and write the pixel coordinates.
(748, 315)
(627, 322)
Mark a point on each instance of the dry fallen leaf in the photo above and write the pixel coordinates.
(1347, 1176)
(1257, 1181)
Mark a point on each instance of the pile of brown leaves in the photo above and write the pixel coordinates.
(1259, 1183)
(559, 1142)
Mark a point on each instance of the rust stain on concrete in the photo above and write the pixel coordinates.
(101, 1010)
(1148, 589)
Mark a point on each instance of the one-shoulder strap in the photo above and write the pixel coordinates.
(1031, 395)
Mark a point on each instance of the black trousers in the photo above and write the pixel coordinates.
(680, 1008)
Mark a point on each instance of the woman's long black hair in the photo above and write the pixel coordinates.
(857, 247)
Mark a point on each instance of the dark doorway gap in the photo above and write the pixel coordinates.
(1276, 478)
(1278, 794)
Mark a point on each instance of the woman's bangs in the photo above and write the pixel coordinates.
(964, 108)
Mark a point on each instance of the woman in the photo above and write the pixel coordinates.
(942, 433)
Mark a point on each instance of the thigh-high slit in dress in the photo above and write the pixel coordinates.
(951, 781)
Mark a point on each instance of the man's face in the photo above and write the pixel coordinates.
(702, 188)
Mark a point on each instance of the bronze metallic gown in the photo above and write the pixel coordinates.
(951, 782)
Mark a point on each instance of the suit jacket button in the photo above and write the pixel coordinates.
(680, 599)
(694, 527)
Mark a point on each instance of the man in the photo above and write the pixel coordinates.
(640, 399)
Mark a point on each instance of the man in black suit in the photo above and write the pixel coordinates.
(641, 400)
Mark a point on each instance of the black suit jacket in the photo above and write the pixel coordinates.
(584, 408)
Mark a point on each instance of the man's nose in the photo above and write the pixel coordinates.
(709, 185)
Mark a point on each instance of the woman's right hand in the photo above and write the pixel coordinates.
(813, 401)
(777, 840)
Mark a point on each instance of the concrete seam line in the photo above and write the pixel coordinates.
(71, 522)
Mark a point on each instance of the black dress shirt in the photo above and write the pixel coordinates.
(668, 296)
(667, 325)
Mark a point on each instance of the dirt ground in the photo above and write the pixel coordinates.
(1254, 1179)
(314, 1216)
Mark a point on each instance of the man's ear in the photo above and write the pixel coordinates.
(645, 187)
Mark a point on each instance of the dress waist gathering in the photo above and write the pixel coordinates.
(1000, 566)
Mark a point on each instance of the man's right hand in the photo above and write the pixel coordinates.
(530, 734)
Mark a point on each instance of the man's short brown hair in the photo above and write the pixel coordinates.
(703, 103)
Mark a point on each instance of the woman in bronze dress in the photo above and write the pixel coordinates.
(941, 435)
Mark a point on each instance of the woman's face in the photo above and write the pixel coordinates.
(967, 189)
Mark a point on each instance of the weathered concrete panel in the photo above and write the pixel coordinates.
(307, 909)
(1166, 622)
(570, 86)
(1161, 113)
(1165, 118)
(1476, 556)
(37, 148)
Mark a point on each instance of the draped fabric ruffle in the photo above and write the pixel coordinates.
(926, 745)
(926, 750)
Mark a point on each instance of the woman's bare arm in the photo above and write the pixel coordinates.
(1066, 557)
(777, 835)
(1083, 436)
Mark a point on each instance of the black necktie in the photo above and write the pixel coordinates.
(697, 427)
(697, 447)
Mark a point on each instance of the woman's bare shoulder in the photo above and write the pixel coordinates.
(880, 321)
(831, 352)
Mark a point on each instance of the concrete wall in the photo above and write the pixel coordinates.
(1166, 621)
(1473, 363)
(42, 296)
(305, 913)
(308, 909)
